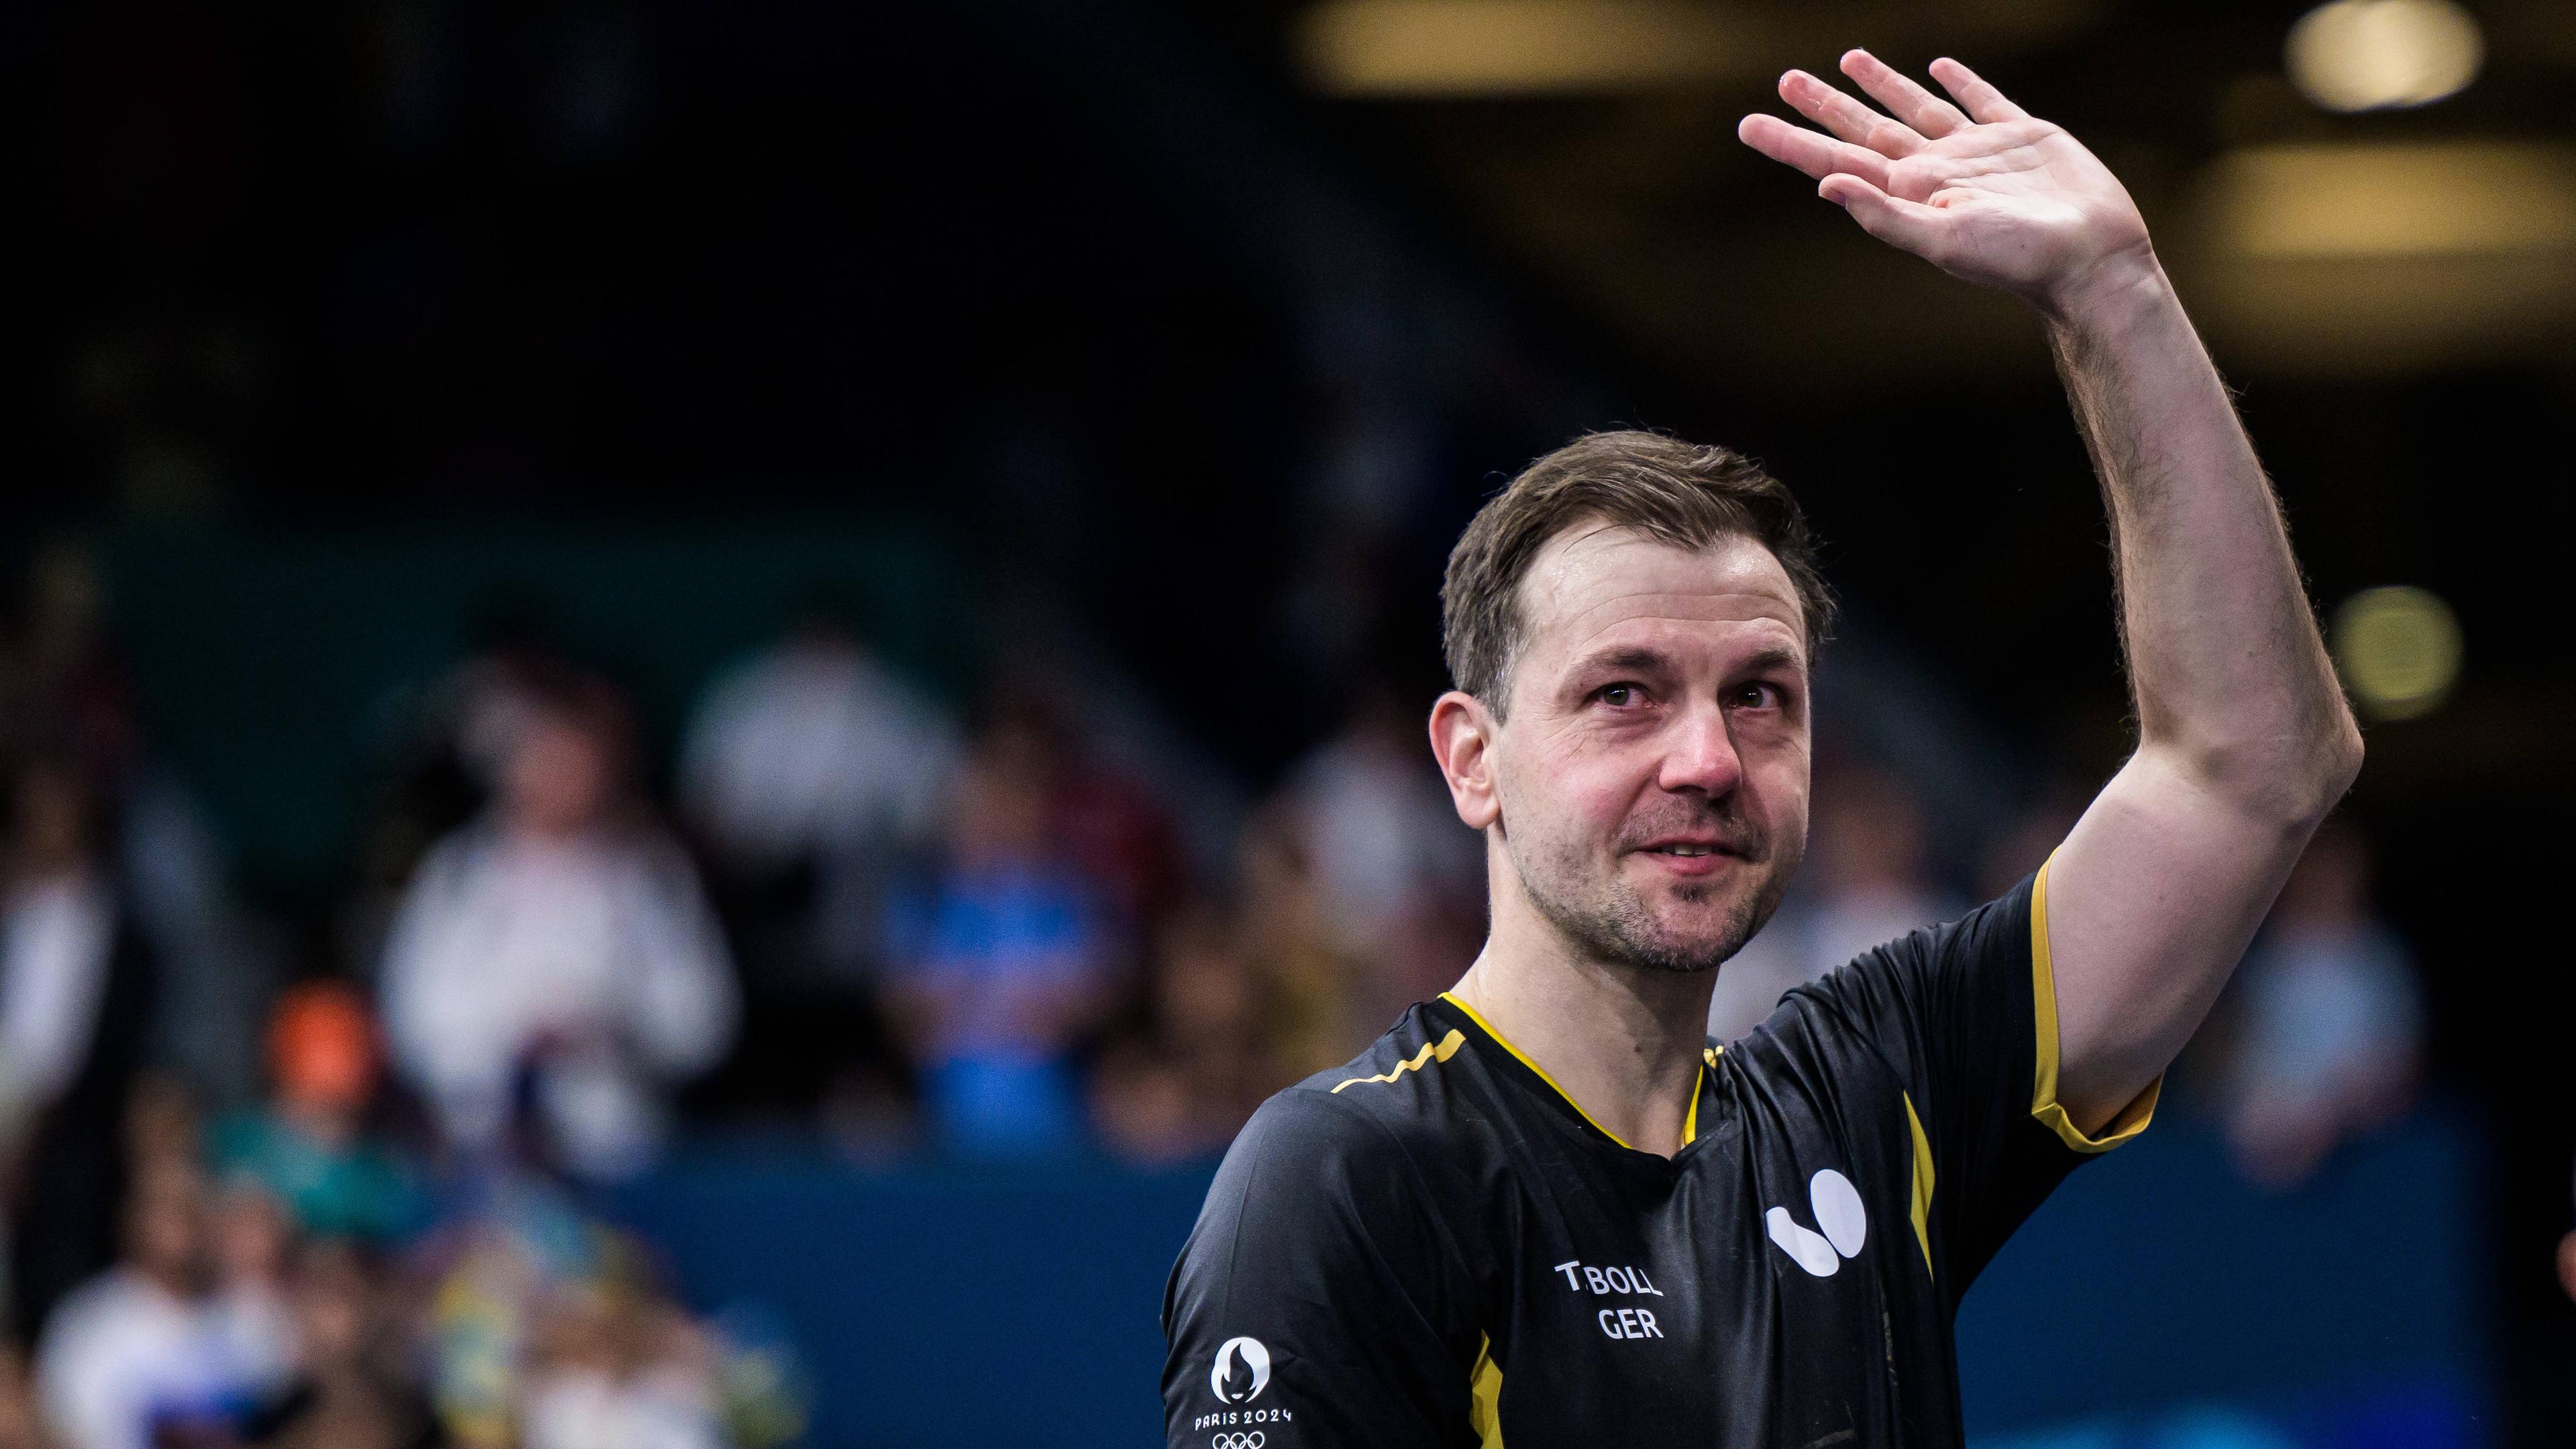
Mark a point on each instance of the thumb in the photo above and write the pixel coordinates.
(1909, 225)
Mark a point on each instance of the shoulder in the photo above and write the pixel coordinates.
(1407, 1087)
(1307, 1128)
(1371, 1128)
(1338, 1198)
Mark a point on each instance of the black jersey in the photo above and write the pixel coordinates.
(1436, 1246)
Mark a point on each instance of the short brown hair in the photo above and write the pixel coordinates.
(1679, 493)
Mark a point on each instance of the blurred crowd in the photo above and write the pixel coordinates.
(258, 1195)
(264, 1189)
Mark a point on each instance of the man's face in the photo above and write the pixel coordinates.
(1652, 774)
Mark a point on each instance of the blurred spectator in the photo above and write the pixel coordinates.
(1868, 882)
(355, 1388)
(2328, 1019)
(1318, 1017)
(1001, 963)
(445, 747)
(484, 707)
(67, 705)
(1186, 1086)
(492, 1266)
(814, 760)
(1401, 880)
(307, 1147)
(620, 1368)
(1113, 829)
(547, 1331)
(75, 1003)
(561, 943)
(22, 1424)
(248, 1239)
(146, 1350)
(1104, 823)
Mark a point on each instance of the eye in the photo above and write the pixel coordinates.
(1622, 695)
(1758, 695)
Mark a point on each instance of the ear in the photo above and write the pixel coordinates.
(1462, 740)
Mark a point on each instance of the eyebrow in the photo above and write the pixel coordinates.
(1646, 661)
(1774, 658)
(1642, 660)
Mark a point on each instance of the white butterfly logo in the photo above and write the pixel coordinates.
(1838, 1212)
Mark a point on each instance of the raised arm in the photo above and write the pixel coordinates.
(2244, 741)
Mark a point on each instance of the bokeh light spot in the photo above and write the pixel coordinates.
(2365, 55)
(2398, 649)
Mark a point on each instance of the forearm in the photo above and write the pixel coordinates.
(2228, 675)
(2244, 741)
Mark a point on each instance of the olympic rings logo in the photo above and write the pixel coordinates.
(1252, 1440)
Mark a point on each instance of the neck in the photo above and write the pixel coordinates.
(1623, 1041)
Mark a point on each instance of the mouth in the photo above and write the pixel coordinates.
(1690, 857)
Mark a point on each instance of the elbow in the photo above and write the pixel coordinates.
(2332, 763)
(2293, 779)
(2309, 786)
(2342, 765)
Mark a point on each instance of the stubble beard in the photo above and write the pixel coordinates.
(1611, 923)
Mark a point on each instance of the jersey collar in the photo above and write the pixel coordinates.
(1690, 1119)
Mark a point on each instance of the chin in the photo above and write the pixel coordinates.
(1700, 951)
(1699, 940)
(1713, 922)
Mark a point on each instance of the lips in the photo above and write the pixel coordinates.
(1691, 847)
(1690, 856)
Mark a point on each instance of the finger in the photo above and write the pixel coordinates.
(1828, 107)
(1817, 155)
(1927, 113)
(1982, 100)
(1892, 219)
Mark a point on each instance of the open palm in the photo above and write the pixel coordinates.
(1981, 189)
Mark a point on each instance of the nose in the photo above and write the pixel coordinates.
(1700, 754)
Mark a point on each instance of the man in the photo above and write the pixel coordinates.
(1544, 1206)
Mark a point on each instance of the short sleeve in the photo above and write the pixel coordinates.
(1966, 1014)
(1317, 1298)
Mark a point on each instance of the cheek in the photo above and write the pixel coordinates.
(1776, 788)
(1585, 787)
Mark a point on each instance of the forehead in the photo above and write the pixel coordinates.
(1599, 584)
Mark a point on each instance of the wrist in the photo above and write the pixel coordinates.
(2114, 290)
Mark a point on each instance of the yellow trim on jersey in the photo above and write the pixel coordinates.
(1485, 1398)
(2133, 1119)
(1505, 1043)
(1922, 1182)
(1690, 1123)
(1448, 1048)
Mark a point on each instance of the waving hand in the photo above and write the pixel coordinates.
(1981, 189)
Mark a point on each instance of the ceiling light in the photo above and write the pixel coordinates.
(2367, 55)
(1424, 48)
